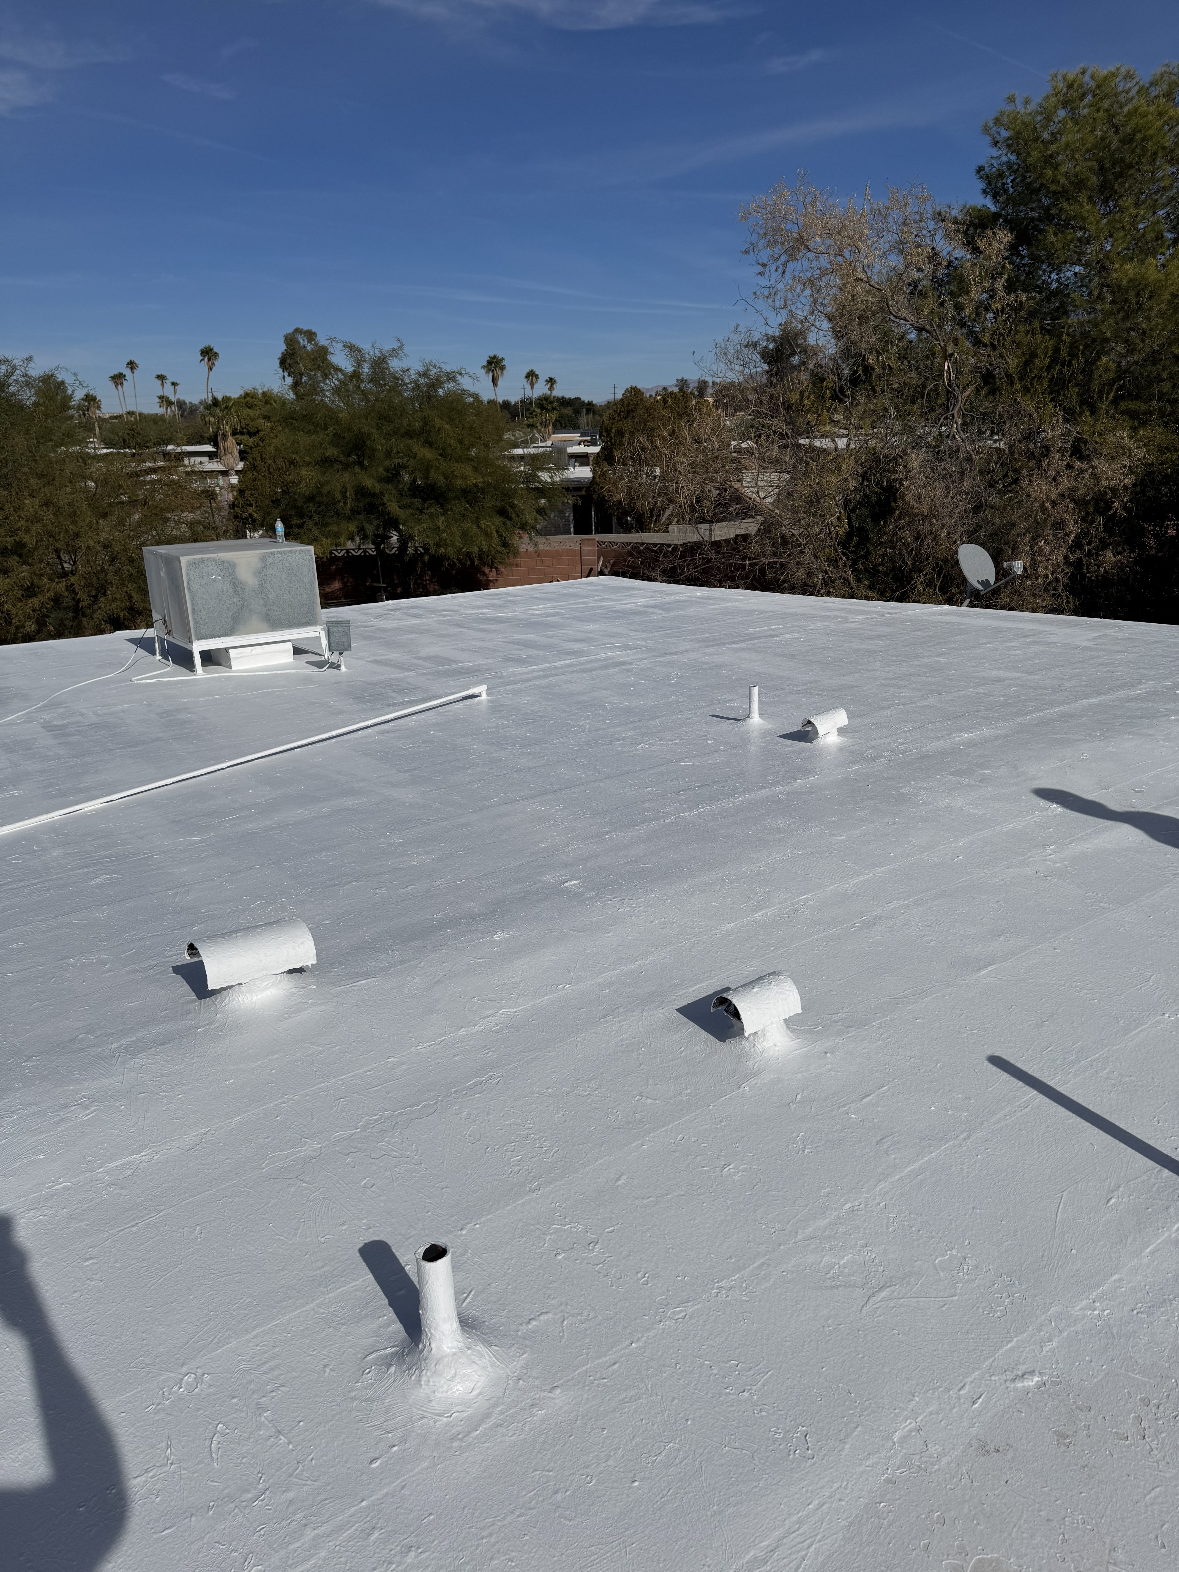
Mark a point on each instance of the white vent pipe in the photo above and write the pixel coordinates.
(826, 724)
(766, 1001)
(754, 713)
(254, 952)
(231, 764)
(441, 1333)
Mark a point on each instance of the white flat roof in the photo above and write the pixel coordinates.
(873, 1301)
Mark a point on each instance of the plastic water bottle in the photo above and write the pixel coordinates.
(279, 532)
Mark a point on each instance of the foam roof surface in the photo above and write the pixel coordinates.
(874, 1300)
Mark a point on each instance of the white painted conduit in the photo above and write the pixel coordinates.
(441, 1333)
(754, 713)
(253, 952)
(247, 758)
(826, 724)
(766, 1001)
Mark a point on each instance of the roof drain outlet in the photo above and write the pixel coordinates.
(762, 1007)
(825, 725)
(253, 952)
(754, 713)
(441, 1333)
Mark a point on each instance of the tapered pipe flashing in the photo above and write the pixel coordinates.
(441, 1333)
(754, 714)
(254, 952)
(766, 1001)
(826, 724)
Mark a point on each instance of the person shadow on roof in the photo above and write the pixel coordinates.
(71, 1523)
(1160, 827)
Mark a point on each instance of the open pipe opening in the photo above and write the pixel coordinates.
(825, 724)
(766, 1001)
(253, 952)
(441, 1332)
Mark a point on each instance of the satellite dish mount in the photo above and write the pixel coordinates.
(979, 571)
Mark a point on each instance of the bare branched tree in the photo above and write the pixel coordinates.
(672, 463)
(896, 401)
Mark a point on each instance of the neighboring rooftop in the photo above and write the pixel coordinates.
(873, 1302)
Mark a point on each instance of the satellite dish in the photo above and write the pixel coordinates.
(976, 564)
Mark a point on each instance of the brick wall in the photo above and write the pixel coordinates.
(559, 559)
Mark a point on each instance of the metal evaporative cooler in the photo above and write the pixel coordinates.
(246, 601)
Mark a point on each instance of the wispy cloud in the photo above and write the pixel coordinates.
(987, 50)
(176, 136)
(34, 57)
(655, 163)
(18, 90)
(582, 16)
(782, 65)
(227, 51)
(197, 84)
(43, 52)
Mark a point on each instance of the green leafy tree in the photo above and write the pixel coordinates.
(493, 368)
(367, 448)
(74, 521)
(92, 408)
(1085, 181)
(209, 358)
(306, 363)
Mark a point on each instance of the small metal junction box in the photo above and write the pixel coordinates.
(226, 594)
(339, 635)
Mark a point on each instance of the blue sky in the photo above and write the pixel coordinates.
(555, 182)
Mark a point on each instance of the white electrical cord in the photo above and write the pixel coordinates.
(73, 685)
(248, 758)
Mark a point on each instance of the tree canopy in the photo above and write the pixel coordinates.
(367, 448)
(1085, 182)
(74, 518)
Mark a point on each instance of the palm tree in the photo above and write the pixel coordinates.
(494, 367)
(532, 378)
(133, 367)
(176, 401)
(550, 385)
(91, 406)
(163, 381)
(119, 378)
(209, 358)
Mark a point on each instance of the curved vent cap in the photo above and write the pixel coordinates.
(765, 1001)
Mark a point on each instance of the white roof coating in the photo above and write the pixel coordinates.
(863, 1300)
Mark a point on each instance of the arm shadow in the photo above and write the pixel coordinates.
(73, 1522)
(1159, 827)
